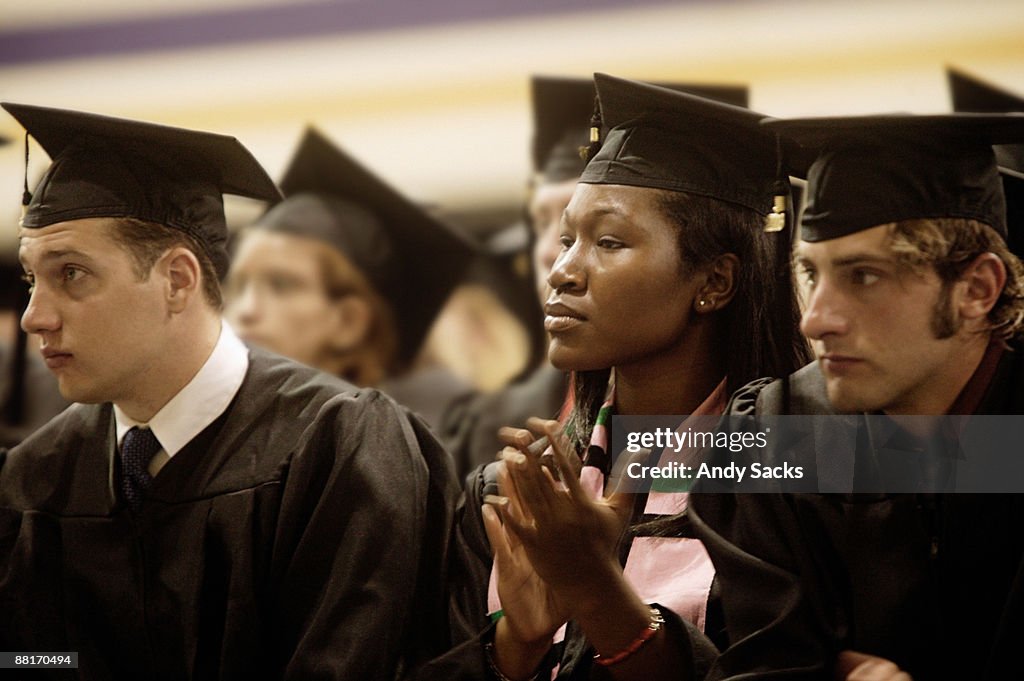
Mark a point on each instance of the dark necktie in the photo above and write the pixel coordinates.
(137, 450)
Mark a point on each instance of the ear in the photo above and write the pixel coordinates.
(355, 317)
(980, 286)
(181, 269)
(720, 280)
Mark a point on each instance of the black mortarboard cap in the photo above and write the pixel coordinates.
(412, 259)
(562, 112)
(113, 167)
(865, 171)
(976, 96)
(1013, 188)
(972, 95)
(664, 139)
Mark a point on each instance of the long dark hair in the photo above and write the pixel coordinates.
(762, 320)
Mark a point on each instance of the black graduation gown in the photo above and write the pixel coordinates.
(470, 428)
(429, 392)
(40, 399)
(470, 577)
(933, 582)
(301, 535)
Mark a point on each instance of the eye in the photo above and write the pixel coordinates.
(865, 277)
(71, 273)
(807, 276)
(566, 240)
(281, 285)
(610, 243)
(30, 280)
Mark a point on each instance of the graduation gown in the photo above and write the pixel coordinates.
(301, 535)
(470, 427)
(467, 661)
(933, 582)
(40, 398)
(669, 565)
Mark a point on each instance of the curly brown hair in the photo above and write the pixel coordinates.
(949, 245)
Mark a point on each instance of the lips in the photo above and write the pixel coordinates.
(561, 317)
(835, 363)
(56, 359)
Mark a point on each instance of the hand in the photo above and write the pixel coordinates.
(854, 666)
(532, 612)
(559, 525)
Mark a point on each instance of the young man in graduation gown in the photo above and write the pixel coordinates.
(208, 511)
(914, 307)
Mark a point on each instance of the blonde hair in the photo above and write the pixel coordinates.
(949, 245)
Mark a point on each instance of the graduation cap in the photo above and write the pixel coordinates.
(664, 139)
(973, 95)
(562, 112)
(864, 171)
(412, 259)
(118, 168)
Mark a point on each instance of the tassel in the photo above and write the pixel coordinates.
(588, 152)
(26, 197)
(776, 220)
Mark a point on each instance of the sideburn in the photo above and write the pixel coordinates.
(945, 322)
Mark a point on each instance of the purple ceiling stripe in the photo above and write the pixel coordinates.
(243, 25)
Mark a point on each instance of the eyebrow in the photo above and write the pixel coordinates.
(846, 260)
(58, 254)
(598, 212)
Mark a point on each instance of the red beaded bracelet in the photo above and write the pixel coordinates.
(653, 627)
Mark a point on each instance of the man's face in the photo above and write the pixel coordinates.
(547, 204)
(871, 321)
(101, 328)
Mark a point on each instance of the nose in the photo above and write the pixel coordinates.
(568, 272)
(824, 315)
(245, 307)
(41, 315)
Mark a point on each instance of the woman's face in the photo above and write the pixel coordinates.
(276, 296)
(619, 291)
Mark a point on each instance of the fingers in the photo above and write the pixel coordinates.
(520, 438)
(496, 535)
(535, 490)
(560, 447)
(508, 487)
(855, 666)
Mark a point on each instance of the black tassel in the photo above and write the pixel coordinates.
(26, 197)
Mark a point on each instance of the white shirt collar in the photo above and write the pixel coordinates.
(201, 401)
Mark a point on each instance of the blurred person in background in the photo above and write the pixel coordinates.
(29, 396)
(347, 275)
(490, 331)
